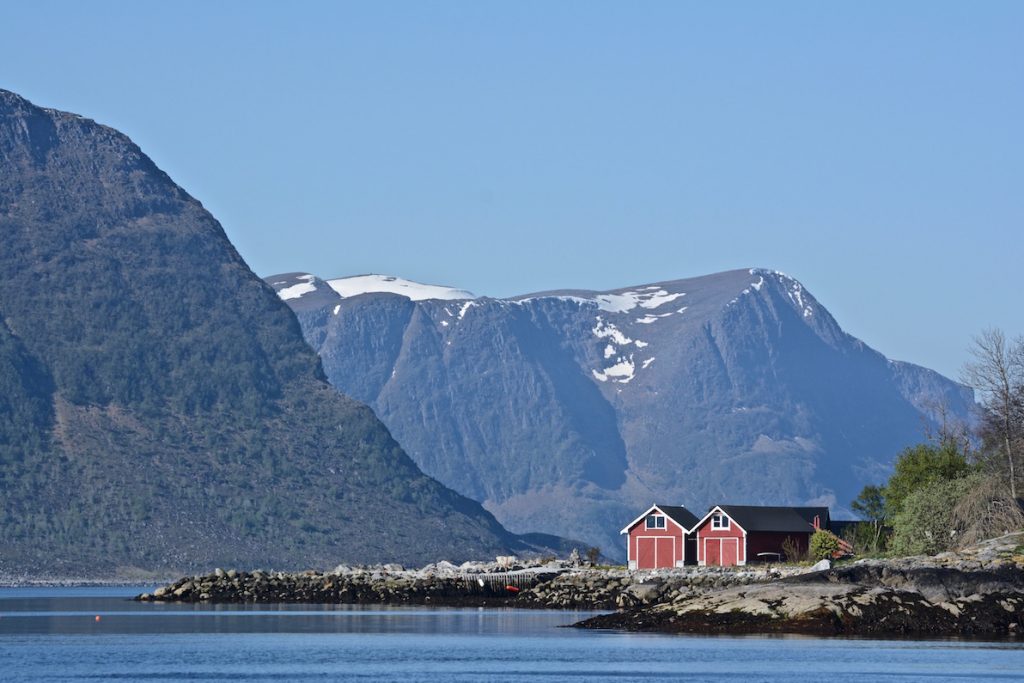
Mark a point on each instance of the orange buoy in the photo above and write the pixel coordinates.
(511, 589)
(97, 617)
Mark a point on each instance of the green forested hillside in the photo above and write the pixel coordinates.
(158, 406)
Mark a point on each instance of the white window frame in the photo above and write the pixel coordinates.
(659, 522)
(716, 522)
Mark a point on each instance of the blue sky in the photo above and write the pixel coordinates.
(874, 150)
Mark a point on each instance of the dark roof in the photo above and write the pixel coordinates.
(786, 519)
(680, 515)
(839, 526)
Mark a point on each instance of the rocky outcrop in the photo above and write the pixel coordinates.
(554, 585)
(976, 593)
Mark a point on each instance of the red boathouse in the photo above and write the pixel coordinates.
(737, 534)
(659, 538)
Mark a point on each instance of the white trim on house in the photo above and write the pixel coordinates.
(736, 542)
(639, 519)
(707, 516)
(656, 518)
(649, 511)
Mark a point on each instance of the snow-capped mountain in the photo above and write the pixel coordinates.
(567, 411)
(297, 285)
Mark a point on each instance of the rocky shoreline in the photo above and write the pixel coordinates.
(977, 592)
(554, 585)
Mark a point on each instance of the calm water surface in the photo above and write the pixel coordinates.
(53, 635)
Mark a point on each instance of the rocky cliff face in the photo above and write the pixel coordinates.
(570, 411)
(158, 406)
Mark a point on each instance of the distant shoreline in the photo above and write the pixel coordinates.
(75, 582)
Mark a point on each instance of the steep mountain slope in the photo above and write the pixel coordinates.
(569, 411)
(158, 405)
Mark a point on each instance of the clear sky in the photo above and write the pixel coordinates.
(873, 150)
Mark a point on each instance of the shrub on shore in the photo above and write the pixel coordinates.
(824, 545)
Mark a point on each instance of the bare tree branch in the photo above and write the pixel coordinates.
(997, 375)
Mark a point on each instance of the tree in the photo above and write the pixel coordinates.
(986, 510)
(870, 505)
(997, 374)
(920, 465)
(925, 522)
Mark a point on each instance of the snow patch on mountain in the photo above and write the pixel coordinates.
(416, 291)
(649, 297)
(659, 299)
(794, 290)
(622, 368)
(796, 295)
(653, 317)
(616, 303)
(606, 330)
(297, 290)
(551, 297)
(622, 372)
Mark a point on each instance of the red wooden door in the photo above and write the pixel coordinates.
(645, 548)
(666, 552)
(730, 548)
(712, 551)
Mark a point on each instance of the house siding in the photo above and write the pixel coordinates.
(656, 548)
(771, 542)
(721, 546)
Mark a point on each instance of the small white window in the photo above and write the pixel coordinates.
(719, 522)
(655, 522)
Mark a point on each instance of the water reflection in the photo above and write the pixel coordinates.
(54, 636)
(60, 611)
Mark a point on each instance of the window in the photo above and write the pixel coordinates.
(719, 522)
(655, 522)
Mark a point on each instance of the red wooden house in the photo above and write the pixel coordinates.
(660, 538)
(737, 534)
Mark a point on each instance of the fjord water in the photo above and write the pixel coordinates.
(53, 635)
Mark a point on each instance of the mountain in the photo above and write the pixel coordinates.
(570, 411)
(159, 408)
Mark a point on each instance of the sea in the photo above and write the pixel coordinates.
(100, 634)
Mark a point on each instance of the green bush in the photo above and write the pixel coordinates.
(925, 525)
(824, 544)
